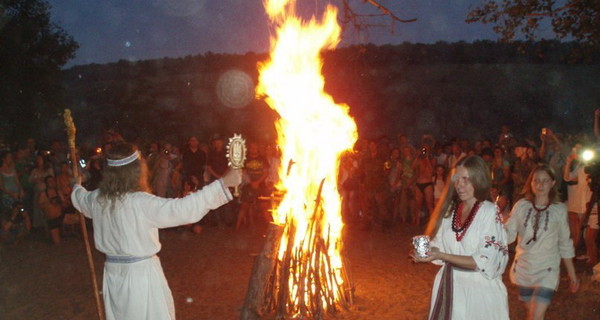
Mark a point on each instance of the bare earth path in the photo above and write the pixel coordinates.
(208, 274)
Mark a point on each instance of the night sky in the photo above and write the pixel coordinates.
(110, 30)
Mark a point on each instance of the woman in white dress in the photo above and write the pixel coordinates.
(469, 241)
(541, 223)
(126, 219)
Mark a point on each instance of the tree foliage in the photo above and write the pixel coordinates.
(32, 52)
(451, 89)
(568, 19)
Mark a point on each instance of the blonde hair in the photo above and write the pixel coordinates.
(118, 181)
(479, 177)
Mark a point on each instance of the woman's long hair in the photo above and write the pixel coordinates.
(528, 193)
(118, 181)
(479, 176)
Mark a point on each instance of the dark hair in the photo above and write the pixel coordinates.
(435, 178)
(487, 152)
(48, 177)
(3, 155)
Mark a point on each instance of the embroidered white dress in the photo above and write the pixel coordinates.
(537, 262)
(139, 290)
(477, 294)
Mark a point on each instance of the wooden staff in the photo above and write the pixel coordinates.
(71, 134)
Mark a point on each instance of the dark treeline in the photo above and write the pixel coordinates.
(446, 89)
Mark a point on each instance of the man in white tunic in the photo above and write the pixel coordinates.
(126, 218)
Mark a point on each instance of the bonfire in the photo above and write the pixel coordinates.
(301, 272)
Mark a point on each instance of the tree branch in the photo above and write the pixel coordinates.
(387, 12)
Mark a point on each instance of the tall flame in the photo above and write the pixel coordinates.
(313, 131)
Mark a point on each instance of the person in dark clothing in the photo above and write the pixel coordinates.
(256, 170)
(193, 159)
(216, 165)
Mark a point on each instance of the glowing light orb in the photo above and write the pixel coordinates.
(235, 89)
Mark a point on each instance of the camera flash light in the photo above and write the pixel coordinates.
(588, 155)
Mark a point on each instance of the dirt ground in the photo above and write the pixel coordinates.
(208, 274)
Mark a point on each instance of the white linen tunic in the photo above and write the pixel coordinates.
(139, 290)
(538, 263)
(477, 294)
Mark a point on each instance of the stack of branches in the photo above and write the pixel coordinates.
(305, 283)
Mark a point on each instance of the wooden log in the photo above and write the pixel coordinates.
(261, 272)
(284, 288)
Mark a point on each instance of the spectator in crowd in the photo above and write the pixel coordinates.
(193, 159)
(579, 193)
(94, 168)
(407, 196)
(10, 186)
(32, 150)
(457, 155)
(394, 175)
(521, 168)
(376, 185)
(151, 157)
(216, 166)
(14, 224)
(37, 175)
(256, 170)
(51, 203)
(217, 158)
(423, 167)
(439, 182)
(553, 152)
(505, 135)
(162, 171)
(583, 215)
(501, 174)
(23, 167)
(403, 141)
(57, 155)
(348, 180)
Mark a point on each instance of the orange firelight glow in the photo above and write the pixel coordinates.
(313, 131)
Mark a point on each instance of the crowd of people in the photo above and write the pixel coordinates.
(383, 182)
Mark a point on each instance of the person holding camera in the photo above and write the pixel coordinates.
(423, 166)
(579, 193)
(161, 173)
(15, 224)
(539, 220)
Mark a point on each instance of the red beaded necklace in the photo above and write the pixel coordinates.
(540, 209)
(461, 229)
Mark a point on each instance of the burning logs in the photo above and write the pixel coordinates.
(301, 281)
(262, 271)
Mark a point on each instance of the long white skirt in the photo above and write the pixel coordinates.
(474, 297)
(137, 291)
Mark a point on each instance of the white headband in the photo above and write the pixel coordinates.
(121, 162)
